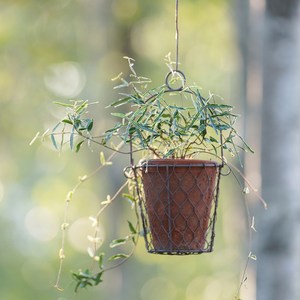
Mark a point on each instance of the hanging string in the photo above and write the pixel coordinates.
(176, 73)
(177, 33)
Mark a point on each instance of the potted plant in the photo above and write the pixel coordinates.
(181, 138)
(179, 131)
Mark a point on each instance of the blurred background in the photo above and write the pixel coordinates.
(57, 50)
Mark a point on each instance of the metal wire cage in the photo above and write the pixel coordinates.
(178, 198)
(178, 205)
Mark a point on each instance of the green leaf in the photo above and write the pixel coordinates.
(145, 128)
(81, 108)
(140, 136)
(55, 127)
(202, 128)
(78, 146)
(212, 124)
(67, 121)
(77, 123)
(169, 153)
(223, 127)
(120, 102)
(212, 140)
(178, 107)
(118, 256)
(115, 128)
(220, 106)
(131, 227)
(124, 84)
(101, 259)
(118, 242)
(63, 104)
(90, 125)
(129, 197)
(53, 141)
(119, 115)
(72, 138)
(97, 278)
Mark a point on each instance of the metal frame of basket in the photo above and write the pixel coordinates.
(178, 216)
(181, 219)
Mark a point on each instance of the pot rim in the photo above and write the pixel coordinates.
(179, 162)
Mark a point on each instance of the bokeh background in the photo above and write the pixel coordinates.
(70, 49)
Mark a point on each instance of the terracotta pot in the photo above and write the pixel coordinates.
(179, 195)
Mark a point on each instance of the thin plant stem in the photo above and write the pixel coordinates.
(66, 215)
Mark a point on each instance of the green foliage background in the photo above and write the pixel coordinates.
(62, 49)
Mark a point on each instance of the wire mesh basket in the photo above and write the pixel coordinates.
(179, 205)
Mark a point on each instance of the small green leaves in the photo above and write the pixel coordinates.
(72, 138)
(120, 102)
(119, 115)
(132, 228)
(53, 140)
(129, 197)
(85, 279)
(78, 146)
(52, 136)
(100, 261)
(74, 124)
(172, 130)
(70, 105)
(118, 256)
(67, 121)
(118, 242)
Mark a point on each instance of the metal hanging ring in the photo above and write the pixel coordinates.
(170, 76)
(128, 172)
(225, 173)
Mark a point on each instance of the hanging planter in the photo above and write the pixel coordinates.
(178, 196)
(181, 198)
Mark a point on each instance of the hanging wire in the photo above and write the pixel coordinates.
(176, 73)
(177, 33)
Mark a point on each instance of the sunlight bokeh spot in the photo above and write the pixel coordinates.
(144, 38)
(42, 223)
(213, 290)
(158, 288)
(195, 288)
(66, 79)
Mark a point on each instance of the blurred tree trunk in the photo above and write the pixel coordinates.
(248, 17)
(278, 249)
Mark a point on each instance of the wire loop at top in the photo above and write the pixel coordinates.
(172, 76)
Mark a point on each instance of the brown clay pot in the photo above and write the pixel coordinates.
(178, 196)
